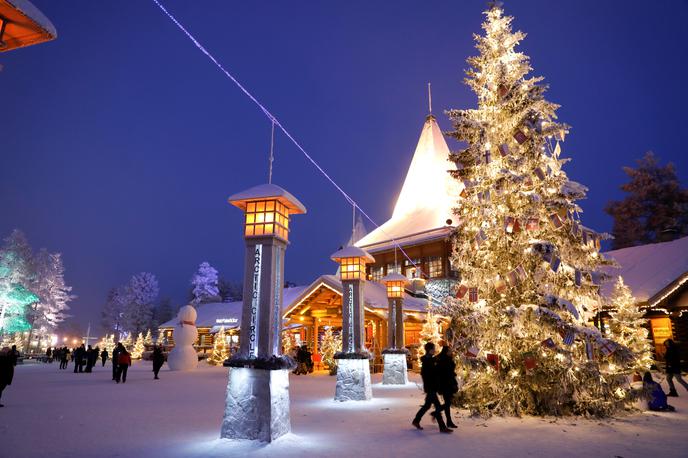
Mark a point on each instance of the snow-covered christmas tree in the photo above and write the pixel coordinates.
(220, 348)
(331, 344)
(430, 332)
(127, 342)
(139, 347)
(529, 268)
(204, 284)
(148, 339)
(628, 326)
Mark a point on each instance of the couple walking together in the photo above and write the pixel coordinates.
(439, 378)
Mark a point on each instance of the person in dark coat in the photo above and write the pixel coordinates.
(673, 367)
(656, 399)
(6, 369)
(446, 381)
(14, 355)
(158, 360)
(123, 363)
(115, 355)
(79, 359)
(64, 358)
(104, 356)
(428, 372)
(88, 357)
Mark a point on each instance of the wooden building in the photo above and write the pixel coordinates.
(658, 277)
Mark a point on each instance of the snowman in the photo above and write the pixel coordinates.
(183, 356)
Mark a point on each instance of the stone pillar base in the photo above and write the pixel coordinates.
(353, 380)
(257, 404)
(395, 369)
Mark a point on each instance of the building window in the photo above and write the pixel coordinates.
(393, 269)
(377, 273)
(435, 267)
(268, 217)
(410, 270)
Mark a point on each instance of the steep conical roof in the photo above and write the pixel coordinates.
(428, 195)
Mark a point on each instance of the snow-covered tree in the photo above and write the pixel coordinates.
(142, 291)
(139, 347)
(628, 326)
(220, 348)
(529, 269)
(163, 312)
(161, 338)
(204, 283)
(107, 343)
(655, 208)
(288, 342)
(16, 277)
(230, 290)
(429, 332)
(330, 345)
(54, 295)
(112, 314)
(148, 340)
(127, 342)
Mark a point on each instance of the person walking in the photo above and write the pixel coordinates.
(115, 356)
(158, 361)
(64, 361)
(104, 356)
(6, 369)
(14, 356)
(123, 363)
(672, 357)
(428, 372)
(88, 357)
(446, 381)
(49, 355)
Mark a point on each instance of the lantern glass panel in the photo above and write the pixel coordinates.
(266, 217)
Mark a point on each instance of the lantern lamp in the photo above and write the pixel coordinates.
(352, 261)
(395, 284)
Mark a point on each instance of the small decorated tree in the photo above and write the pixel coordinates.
(627, 326)
(161, 338)
(288, 342)
(139, 347)
(127, 342)
(430, 332)
(220, 349)
(331, 344)
(148, 340)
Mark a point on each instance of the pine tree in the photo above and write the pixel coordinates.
(330, 345)
(204, 283)
(127, 342)
(220, 348)
(655, 208)
(627, 326)
(430, 332)
(16, 278)
(148, 340)
(529, 269)
(112, 314)
(141, 292)
(139, 347)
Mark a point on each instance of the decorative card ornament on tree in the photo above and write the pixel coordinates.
(568, 336)
(480, 237)
(502, 91)
(473, 294)
(488, 157)
(589, 350)
(520, 137)
(493, 360)
(512, 278)
(575, 228)
(555, 263)
(473, 351)
(504, 149)
(578, 278)
(529, 360)
(608, 347)
(461, 291)
(500, 285)
(533, 224)
(520, 273)
(557, 150)
(556, 220)
(548, 343)
(511, 225)
(539, 173)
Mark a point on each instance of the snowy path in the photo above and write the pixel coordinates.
(61, 414)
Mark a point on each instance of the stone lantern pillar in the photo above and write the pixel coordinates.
(394, 356)
(257, 404)
(353, 362)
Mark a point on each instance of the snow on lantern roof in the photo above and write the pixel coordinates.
(25, 25)
(352, 252)
(393, 276)
(426, 200)
(651, 271)
(267, 191)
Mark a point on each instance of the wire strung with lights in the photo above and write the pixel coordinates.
(276, 122)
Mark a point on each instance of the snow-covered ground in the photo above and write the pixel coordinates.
(61, 414)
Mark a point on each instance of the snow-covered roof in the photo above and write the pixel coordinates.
(265, 191)
(426, 199)
(228, 314)
(650, 269)
(352, 251)
(26, 25)
(374, 295)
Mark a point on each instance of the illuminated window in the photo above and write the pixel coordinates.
(266, 217)
(410, 271)
(352, 268)
(393, 269)
(435, 267)
(376, 273)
